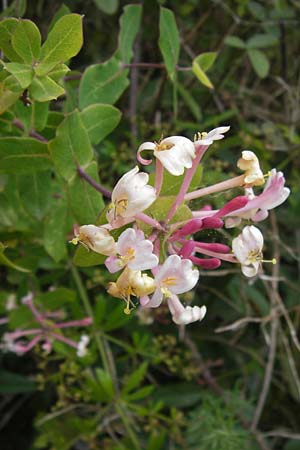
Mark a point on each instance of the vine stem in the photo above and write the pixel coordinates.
(101, 348)
(149, 65)
(93, 183)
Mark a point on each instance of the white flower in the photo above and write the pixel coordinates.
(247, 248)
(175, 153)
(131, 195)
(82, 346)
(175, 276)
(95, 238)
(214, 135)
(184, 315)
(135, 252)
(250, 164)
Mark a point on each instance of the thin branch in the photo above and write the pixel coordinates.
(32, 133)
(146, 65)
(274, 332)
(93, 183)
(283, 434)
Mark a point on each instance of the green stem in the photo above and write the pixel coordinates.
(101, 348)
(90, 312)
(127, 426)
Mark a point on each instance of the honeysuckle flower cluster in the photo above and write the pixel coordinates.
(156, 257)
(47, 328)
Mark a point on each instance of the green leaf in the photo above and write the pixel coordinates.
(190, 101)
(156, 440)
(103, 83)
(12, 383)
(200, 74)
(106, 383)
(259, 62)
(16, 8)
(4, 261)
(140, 393)
(35, 191)
(64, 41)
(235, 41)
(108, 7)
(55, 237)
(58, 72)
(171, 184)
(87, 258)
(71, 147)
(169, 41)
(7, 98)
(12, 84)
(261, 41)
(7, 28)
(40, 113)
(26, 41)
(179, 395)
(257, 10)
(23, 155)
(206, 60)
(44, 89)
(22, 72)
(56, 299)
(86, 203)
(99, 121)
(129, 26)
(159, 210)
(62, 11)
(135, 379)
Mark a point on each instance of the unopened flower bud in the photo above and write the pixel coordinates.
(250, 164)
(95, 238)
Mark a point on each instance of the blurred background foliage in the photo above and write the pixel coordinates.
(203, 387)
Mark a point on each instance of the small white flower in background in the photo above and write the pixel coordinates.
(184, 315)
(135, 252)
(95, 238)
(11, 302)
(175, 276)
(208, 138)
(8, 343)
(131, 195)
(82, 346)
(247, 248)
(250, 164)
(175, 153)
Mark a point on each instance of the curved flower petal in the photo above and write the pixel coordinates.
(142, 147)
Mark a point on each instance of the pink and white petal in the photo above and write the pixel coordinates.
(155, 300)
(169, 268)
(251, 270)
(175, 306)
(144, 300)
(260, 215)
(126, 240)
(142, 147)
(113, 264)
(144, 262)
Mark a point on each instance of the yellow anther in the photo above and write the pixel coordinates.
(200, 135)
(74, 241)
(162, 147)
(170, 281)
